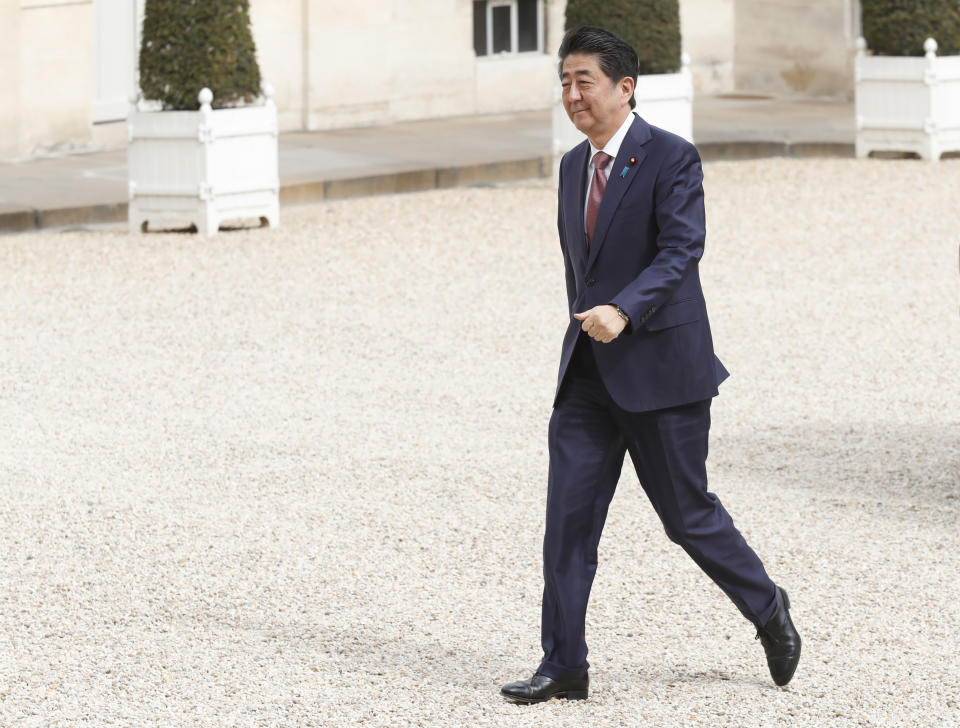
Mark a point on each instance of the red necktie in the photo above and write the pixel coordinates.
(597, 186)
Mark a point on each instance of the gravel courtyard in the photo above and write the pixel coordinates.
(286, 477)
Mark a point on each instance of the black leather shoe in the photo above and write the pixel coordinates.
(781, 641)
(541, 688)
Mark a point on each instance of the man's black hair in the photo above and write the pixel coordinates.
(615, 56)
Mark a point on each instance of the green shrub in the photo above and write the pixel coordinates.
(652, 27)
(189, 44)
(899, 27)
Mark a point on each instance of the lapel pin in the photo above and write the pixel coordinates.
(623, 172)
(633, 160)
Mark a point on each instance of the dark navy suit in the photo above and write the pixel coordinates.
(647, 392)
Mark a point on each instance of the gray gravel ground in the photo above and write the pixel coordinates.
(296, 477)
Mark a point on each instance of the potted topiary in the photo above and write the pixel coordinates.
(664, 92)
(203, 142)
(907, 96)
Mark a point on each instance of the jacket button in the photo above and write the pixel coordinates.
(590, 282)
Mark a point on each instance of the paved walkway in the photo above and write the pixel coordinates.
(91, 187)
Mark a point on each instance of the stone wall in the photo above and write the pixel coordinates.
(794, 47)
(331, 64)
(47, 75)
(10, 75)
(279, 35)
(708, 38)
(380, 61)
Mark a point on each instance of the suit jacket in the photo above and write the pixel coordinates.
(647, 244)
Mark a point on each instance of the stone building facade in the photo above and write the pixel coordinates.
(68, 66)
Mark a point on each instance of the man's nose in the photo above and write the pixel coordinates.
(573, 92)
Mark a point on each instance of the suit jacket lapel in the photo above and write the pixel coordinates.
(618, 182)
(575, 193)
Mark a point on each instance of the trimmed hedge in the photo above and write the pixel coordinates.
(189, 44)
(899, 27)
(652, 27)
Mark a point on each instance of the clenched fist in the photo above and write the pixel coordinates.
(602, 323)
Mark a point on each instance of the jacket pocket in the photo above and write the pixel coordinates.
(675, 314)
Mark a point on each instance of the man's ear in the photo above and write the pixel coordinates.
(627, 86)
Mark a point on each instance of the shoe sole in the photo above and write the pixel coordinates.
(566, 695)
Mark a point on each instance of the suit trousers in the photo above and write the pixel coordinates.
(588, 437)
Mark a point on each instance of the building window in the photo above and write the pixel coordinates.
(507, 26)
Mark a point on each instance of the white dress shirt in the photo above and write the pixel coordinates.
(612, 147)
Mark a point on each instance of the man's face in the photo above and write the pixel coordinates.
(594, 103)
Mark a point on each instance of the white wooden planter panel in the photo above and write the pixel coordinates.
(907, 104)
(203, 167)
(664, 100)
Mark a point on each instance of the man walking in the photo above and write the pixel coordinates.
(637, 368)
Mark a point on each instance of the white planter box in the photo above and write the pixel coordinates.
(907, 104)
(203, 167)
(663, 99)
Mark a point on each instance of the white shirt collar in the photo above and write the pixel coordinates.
(612, 147)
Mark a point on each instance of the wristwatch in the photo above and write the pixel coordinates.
(623, 314)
